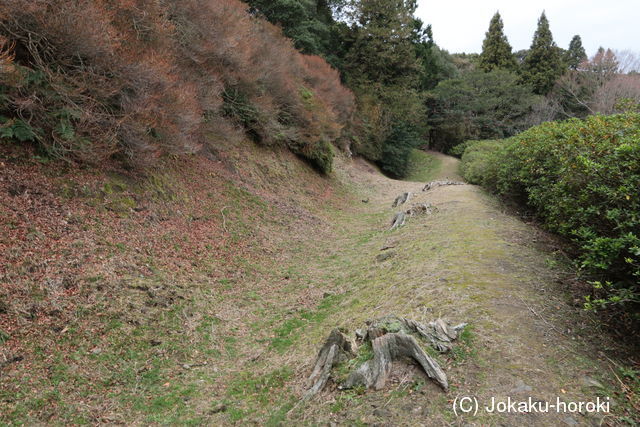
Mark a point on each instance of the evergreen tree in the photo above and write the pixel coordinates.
(543, 64)
(382, 51)
(435, 64)
(576, 54)
(309, 23)
(382, 68)
(496, 50)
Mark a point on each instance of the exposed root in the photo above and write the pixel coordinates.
(434, 184)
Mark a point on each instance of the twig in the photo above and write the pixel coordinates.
(224, 219)
(542, 318)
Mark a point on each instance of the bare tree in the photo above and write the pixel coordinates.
(606, 83)
(628, 61)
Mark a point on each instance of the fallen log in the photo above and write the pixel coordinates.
(434, 184)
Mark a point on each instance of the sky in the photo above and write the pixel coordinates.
(460, 25)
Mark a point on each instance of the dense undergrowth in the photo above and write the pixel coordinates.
(581, 177)
(89, 80)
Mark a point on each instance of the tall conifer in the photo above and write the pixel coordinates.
(576, 54)
(543, 65)
(496, 50)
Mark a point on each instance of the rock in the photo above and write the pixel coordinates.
(385, 256)
(218, 408)
(521, 387)
(591, 382)
(570, 421)
(382, 413)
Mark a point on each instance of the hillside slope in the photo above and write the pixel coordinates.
(201, 294)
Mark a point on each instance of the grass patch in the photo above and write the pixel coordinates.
(289, 331)
(464, 348)
(249, 393)
(422, 166)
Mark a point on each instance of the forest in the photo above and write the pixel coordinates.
(166, 164)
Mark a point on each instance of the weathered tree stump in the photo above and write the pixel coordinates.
(336, 348)
(438, 333)
(401, 199)
(392, 340)
(434, 184)
(398, 220)
(387, 349)
(421, 209)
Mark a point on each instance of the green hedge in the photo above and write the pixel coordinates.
(582, 177)
(477, 160)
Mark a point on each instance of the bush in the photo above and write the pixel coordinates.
(478, 160)
(582, 177)
(458, 150)
(97, 78)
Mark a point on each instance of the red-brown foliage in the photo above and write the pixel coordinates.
(146, 77)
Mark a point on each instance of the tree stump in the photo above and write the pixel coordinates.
(391, 341)
(387, 349)
(434, 184)
(401, 199)
(398, 220)
(336, 348)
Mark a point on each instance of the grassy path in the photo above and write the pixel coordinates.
(228, 334)
(474, 263)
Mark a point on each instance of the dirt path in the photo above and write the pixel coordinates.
(471, 262)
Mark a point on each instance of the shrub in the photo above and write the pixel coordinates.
(582, 178)
(147, 78)
(478, 160)
(458, 150)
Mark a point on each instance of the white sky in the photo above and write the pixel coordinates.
(460, 25)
